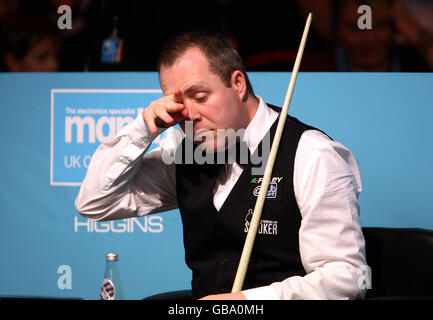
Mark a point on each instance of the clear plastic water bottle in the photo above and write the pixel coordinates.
(111, 288)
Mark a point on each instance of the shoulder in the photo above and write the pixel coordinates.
(318, 154)
(315, 140)
(317, 146)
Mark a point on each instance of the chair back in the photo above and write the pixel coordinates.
(401, 262)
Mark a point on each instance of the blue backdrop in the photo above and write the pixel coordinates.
(52, 123)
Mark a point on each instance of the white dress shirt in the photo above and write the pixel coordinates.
(122, 182)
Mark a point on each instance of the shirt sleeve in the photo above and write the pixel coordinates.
(327, 184)
(124, 181)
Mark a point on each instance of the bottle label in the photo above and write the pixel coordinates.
(108, 290)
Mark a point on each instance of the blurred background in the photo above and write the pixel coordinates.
(266, 35)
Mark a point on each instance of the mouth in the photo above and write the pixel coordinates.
(201, 135)
(191, 127)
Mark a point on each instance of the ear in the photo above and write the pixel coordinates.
(239, 84)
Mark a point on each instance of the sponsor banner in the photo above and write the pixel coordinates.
(82, 119)
(146, 224)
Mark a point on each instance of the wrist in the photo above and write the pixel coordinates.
(141, 133)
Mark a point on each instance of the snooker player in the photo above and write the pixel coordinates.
(310, 243)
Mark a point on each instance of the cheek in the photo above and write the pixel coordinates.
(224, 111)
(350, 39)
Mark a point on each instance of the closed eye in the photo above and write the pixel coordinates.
(201, 96)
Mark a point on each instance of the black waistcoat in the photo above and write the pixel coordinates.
(214, 240)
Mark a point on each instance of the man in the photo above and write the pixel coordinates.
(310, 244)
(376, 49)
(32, 52)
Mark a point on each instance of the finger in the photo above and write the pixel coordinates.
(150, 122)
(177, 96)
(164, 116)
(185, 113)
(174, 107)
(180, 116)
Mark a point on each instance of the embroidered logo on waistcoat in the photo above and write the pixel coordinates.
(266, 227)
(273, 193)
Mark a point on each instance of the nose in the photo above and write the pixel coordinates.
(193, 112)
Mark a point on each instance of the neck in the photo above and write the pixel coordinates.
(251, 105)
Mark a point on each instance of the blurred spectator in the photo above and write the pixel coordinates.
(31, 52)
(31, 40)
(400, 38)
(266, 34)
(376, 49)
(364, 49)
(414, 21)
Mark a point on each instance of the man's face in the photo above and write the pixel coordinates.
(210, 104)
(41, 58)
(366, 49)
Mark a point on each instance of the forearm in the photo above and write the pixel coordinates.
(109, 190)
(331, 244)
(335, 281)
(121, 182)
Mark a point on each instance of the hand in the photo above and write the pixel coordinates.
(165, 112)
(225, 296)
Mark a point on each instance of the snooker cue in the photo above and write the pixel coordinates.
(255, 220)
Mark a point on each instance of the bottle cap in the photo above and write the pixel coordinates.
(111, 257)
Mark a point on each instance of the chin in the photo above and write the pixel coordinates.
(211, 146)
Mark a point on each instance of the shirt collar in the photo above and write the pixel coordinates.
(259, 125)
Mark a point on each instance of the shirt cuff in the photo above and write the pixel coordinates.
(140, 133)
(261, 293)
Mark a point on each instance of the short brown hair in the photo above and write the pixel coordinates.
(222, 57)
